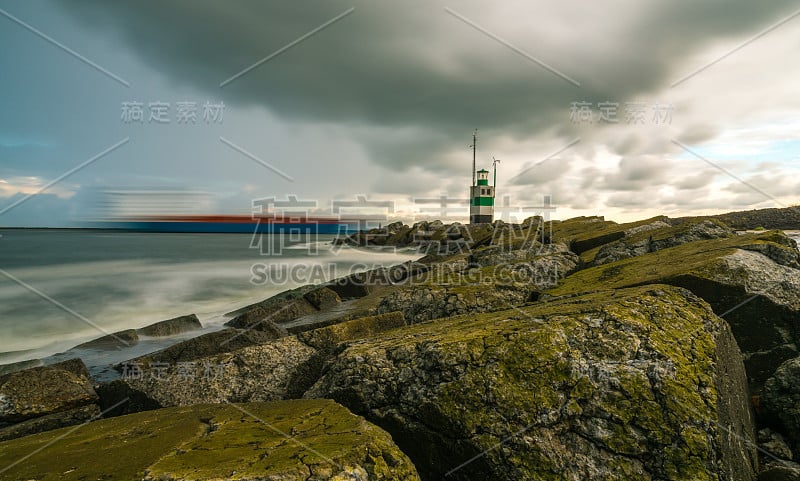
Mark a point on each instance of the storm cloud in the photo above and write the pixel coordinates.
(414, 65)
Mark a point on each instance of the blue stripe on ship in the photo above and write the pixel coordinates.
(233, 227)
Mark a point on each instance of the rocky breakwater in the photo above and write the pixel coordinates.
(570, 350)
(244, 366)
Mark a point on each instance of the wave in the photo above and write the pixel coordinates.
(132, 293)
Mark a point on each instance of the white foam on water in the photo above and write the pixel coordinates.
(126, 294)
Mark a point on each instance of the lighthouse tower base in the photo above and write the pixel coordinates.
(481, 218)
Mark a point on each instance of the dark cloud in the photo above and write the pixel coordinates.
(404, 64)
(638, 173)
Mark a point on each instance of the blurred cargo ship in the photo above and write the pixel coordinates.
(180, 211)
(242, 224)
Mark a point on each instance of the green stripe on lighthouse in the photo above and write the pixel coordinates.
(485, 201)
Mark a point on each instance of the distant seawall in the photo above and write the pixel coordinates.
(787, 218)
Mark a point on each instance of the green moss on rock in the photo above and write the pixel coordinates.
(610, 385)
(327, 338)
(726, 272)
(257, 441)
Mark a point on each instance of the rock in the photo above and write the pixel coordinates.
(44, 390)
(316, 440)
(780, 471)
(262, 317)
(217, 342)
(117, 398)
(640, 383)
(753, 289)
(585, 235)
(276, 299)
(328, 340)
(19, 366)
(655, 225)
(116, 340)
(428, 237)
(362, 284)
(49, 422)
(420, 304)
(329, 337)
(787, 218)
(171, 327)
(773, 444)
(255, 373)
(323, 298)
(781, 400)
(499, 254)
(660, 235)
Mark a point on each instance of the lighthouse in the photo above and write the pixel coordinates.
(481, 206)
(481, 194)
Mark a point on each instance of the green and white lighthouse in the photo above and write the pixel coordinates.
(481, 194)
(481, 207)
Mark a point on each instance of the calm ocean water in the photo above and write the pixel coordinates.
(122, 280)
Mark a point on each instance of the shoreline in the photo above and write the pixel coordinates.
(99, 361)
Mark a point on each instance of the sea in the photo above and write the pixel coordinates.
(60, 288)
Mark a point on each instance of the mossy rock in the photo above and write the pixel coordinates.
(171, 327)
(209, 344)
(584, 233)
(280, 311)
(787, 218)
(749, 279)
(116, 340)
(656, 236)
(45, 390)
(636, 384)
(329, 337)
(255, 373)
(316, 439)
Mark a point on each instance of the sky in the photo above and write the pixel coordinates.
(617, 108)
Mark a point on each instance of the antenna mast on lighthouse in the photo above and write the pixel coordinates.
(474, 144)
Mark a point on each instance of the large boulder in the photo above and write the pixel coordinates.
(315, 440)
(583, 234)
(779, 470)
(323, 298)
(272, 370)
(781, 400)
(256, 373)
(660, 235)
(328, 338)
(45, 390)
(218, 342)
(636, 384)
(115, 340)
(423, 303)
(171, 327)
(262, 317)
(750, 280)
(52, 421)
